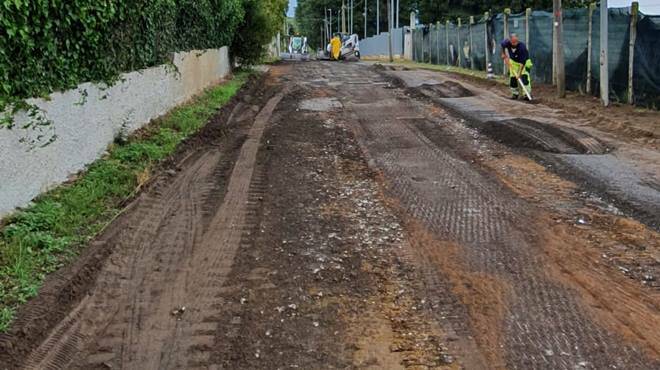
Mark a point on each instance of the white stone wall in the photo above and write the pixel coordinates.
(87, 119)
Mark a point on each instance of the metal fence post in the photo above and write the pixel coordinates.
(528, 15)
(430, 52)
(397, 14)
(487, 52)
(507, 12)
(458, 44)
(634, 11)
(378, 17)
(447, 40)
(431, 43)
(279, 46)
(413, 26)
(559, 48)
(415, 51)
(437, 40)
(421, 44)
(389, 28)
(471, 65)
(365, 19)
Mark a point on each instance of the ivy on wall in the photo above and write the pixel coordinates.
(51, 45)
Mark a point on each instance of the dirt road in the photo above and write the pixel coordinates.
(341, 215)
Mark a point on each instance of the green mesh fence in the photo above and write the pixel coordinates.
(478, 46)
(646, 78)
(468, 45)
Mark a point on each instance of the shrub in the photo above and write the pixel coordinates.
(47, 46)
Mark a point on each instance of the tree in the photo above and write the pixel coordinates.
(262, 20)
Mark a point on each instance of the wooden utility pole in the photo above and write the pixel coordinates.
(634, 11)
(559, 48)
(590, 53)
(604, 66)
(389, 27)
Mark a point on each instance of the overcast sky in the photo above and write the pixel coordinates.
(645, 6)
(292, 8)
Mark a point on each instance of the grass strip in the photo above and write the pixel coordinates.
(43, 237)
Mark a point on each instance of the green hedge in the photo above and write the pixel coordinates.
(50, 45)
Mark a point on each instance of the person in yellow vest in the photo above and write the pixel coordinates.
(335, 47)
(516, 57)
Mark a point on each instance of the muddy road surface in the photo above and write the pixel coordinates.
(345, 215)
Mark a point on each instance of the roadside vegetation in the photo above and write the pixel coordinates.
(46, 235)
(48, 46)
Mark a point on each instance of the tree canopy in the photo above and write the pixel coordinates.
(261, 22)
(47, 46)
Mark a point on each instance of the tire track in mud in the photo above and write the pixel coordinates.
(169, 254)
(118, 310)
(213, 262)
(543, 324)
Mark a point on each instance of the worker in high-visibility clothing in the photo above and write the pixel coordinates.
(516, 57)
(335, 47)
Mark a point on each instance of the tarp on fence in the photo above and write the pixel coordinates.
(646, 79)
(378, 45)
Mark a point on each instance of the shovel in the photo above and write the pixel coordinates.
(520, 81)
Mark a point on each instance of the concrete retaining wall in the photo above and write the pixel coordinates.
(86, 120)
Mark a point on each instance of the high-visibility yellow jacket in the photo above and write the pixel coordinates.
(335, 47)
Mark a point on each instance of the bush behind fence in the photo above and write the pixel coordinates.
(47, 46)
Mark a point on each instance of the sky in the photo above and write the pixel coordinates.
(645, 6)
(292, 8)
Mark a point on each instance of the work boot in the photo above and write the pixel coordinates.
(514, 97)
(527, 99)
